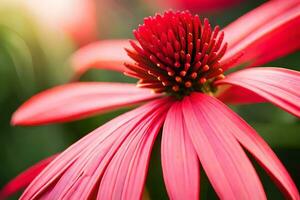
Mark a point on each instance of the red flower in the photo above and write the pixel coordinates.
(197, 5)
(77, 18)
(182, 59)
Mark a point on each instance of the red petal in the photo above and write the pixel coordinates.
(279, 86)
(77, 100)
(77, 172)
(220, 154)
(238, 95)
(24, 179)
(180, 164)
(247, 136)
(275, 34)
(198, 5)
(106, 54)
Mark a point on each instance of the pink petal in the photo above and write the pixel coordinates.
(180, 164)
(254, 144)
(238, 95)
(77, 172)
(78, 100)
(275, 36)
(256, 18)
(106, 54)
(24, 178)
(223, 159)
(277, 85)
(77, 18)
(125, 175)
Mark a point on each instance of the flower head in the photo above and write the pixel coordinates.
(179, 55)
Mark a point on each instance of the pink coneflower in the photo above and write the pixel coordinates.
(77, 18)
(182, 59)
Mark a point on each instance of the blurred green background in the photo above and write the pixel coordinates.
(34, 57)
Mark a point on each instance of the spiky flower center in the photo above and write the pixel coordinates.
(177, 54)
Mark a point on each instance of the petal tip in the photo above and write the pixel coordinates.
(19, 119)
(15, 120)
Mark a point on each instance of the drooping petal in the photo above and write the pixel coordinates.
(106, 54)
(274, 36)
(77, 100)
(248, 137)
(180, 164)
(76, 173)
(238, 95)
(220, 154)
(125, 175)
(24, 178)
(248, 23)
(277, 85)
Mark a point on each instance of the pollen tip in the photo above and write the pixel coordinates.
(205, 68)
(187, 65)
(188, 84)
(202, 80)
(175, 88)
(220, 77)
(177, 64)
(182, 73)
(178, 79)
(171, 73)
(194, 75)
